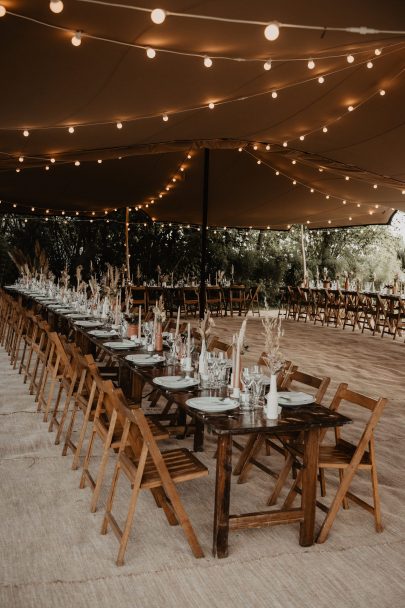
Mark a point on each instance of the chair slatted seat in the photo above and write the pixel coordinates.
(146, 467)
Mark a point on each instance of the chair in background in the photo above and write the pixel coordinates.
(191, 301)
(147, 468)
(214, 299)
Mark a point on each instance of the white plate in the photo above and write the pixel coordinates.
(212, 404)
(120, 345)
(103, 333)
(175, 382)
(89, 323)
(294, 399)
(63, 311)
(77, 315)
(145, 359)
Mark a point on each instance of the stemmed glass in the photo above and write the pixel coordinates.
(257, 384)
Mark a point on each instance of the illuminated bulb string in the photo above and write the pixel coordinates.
(165, 116)
(79, 34)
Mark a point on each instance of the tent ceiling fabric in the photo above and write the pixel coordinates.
(49, 85)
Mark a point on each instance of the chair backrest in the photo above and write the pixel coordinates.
(138, 296)
(190, 295)
(218, 345)
(296, 376)
(375, 407)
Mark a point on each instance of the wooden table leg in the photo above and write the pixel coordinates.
(222, 496)
(198, 435)
(309, 479)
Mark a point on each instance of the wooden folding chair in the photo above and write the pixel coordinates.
(191, 300)
(216, 345)
(147, 468)
(39, 351)
(252, 300)
(214, 299)
(54, 369)
(107, 426)
(85, 400)
(347, 458)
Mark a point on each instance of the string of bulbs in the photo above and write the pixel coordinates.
(313, 190)
(212, 105)
(79, 35)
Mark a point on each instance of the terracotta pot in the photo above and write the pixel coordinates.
(132, 329)
(158, 337)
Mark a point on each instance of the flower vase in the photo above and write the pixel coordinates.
(272, 400)
(158, 337)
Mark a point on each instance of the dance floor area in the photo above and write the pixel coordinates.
(53, 555)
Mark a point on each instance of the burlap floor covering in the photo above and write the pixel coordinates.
(52, 554)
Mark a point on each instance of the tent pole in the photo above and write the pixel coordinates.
(204, 230)
(127, 244)
(304, 258)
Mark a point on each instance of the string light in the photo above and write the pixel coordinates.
(207, 61)
(272, 31)
(76, 39)
(311, 64)
(285, 144)
(99, 161)
(52, 160)
(370, 64)
(21, 159)
(165, 117)
(321, 79)
(211, 105)
(349, 58)
(56, 6)
(46, 167)
(325, 129)
(377, 52)
(77, 163)
(268, 147)
(274, 94)
(26, 133)
(158, 15)
(267, 65)
(151, 53)
(18, 170)
(382, 92)
(119, 125)
(302, 137)
(255, 147)
(71, 129)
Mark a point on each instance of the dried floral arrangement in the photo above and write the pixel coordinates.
(205, 326)
(110, 280)
(159, 310)
(273, 333)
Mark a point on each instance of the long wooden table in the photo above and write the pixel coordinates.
(306, 421)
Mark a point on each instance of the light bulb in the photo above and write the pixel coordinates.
(165, 117)
(382, 92)
(52, 160)
(311, 64)
(56, 6)
(267, 65)
(302, 137)
(327, 196)
(285, 144)
(277, 172)
(99, 161)
(293, 162)
(344, 202)
(350, 59)
(274, 94)
(312, 190)
(350, 108)
(151, 53)
(21, 159)
(189, 156)
(77, 163)
(358, 205)
(18, 170)
(32, 208)
(347, 178)
(370, 64)
(2, 10)
(26, 133)
(46, 167)
(325, 129)
(375, 186)
(321, 79)
(158, 15)
(329, 222)
(71, 129)
(294, 183)
(211, 105)
(259, 162)
(255, 147)
(268, 147)
(207, 61)
(77, 38)
(239, 149)
(377, 52)
(272, 31)
(119, 125)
